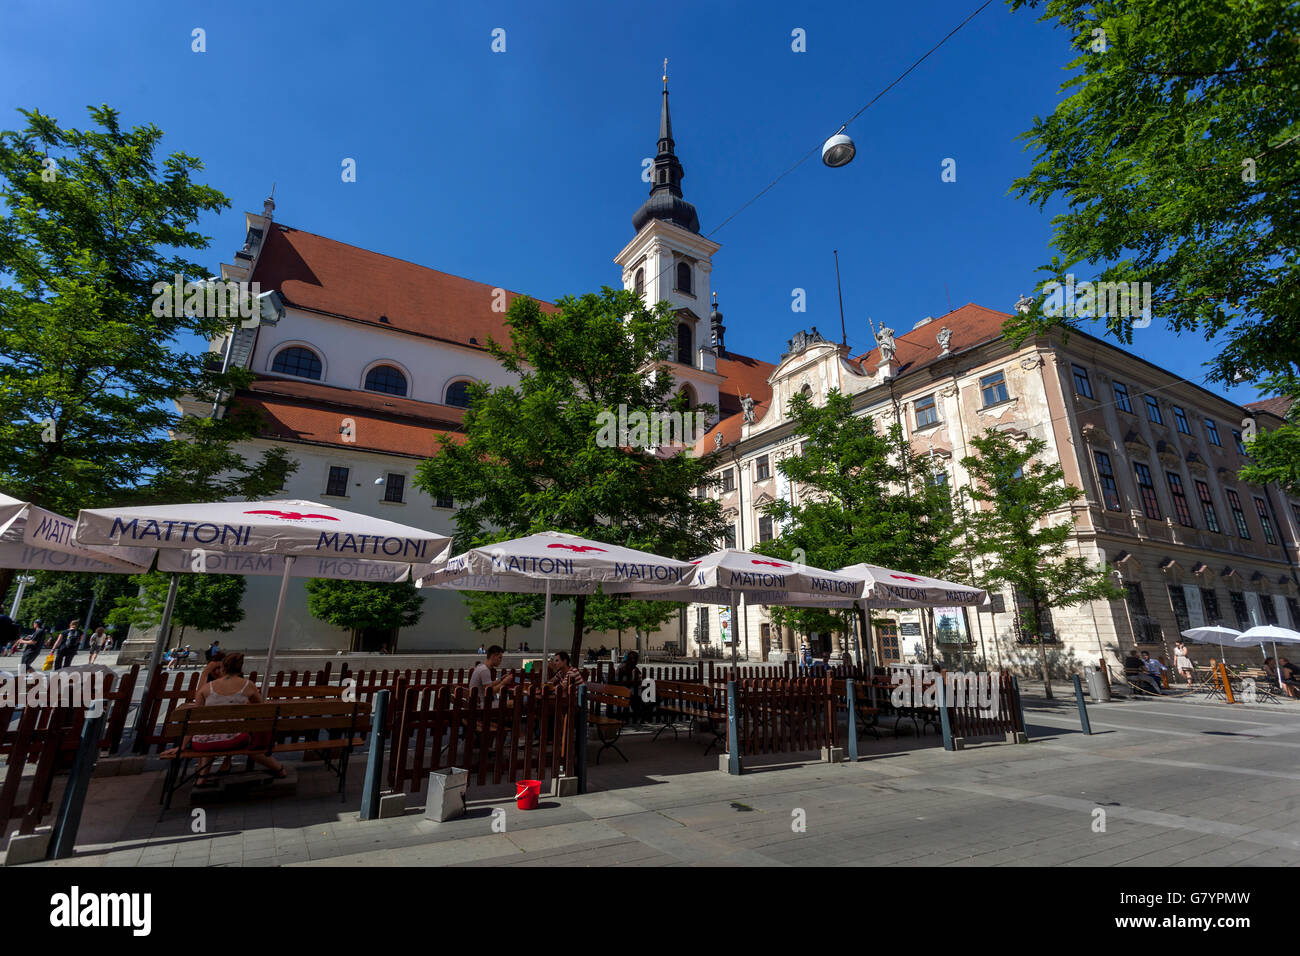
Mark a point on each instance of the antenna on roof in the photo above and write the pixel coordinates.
(844, 335)
(949, 296)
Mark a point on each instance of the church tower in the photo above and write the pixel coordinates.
(668, 260)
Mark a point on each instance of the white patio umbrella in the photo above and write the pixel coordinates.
(553, 562)
(1214, 634)
(35, 538)
(1274, 635)
(724, 576)
(291, 529)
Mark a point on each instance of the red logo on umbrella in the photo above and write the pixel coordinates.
(773, 564)
(580, 548)
(904, 577)
(292, 515)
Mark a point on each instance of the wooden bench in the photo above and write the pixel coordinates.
(607, 728)
(300, 721)
(304, 692)
(694, 702)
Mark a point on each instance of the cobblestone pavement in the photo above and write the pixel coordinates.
(1161, 782)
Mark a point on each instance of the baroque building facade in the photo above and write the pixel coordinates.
(367, 366)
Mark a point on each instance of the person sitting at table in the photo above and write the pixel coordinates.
(1135, 670)
(484, 676)
(1156, 668)
(629, 675)
(228, 687)
(1290, 673)
(564, 676)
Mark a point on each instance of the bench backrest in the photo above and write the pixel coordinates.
(287, 716)
(685, 694)
(608, 695)
(304, 692)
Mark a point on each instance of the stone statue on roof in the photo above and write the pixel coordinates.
(885, 339)
(747, 408)
(717, 441)
(945, 336)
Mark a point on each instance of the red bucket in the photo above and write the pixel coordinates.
(529, 791)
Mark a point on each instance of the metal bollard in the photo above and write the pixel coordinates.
(853, 719)
(375, 759)
(1083, 707)
(64, 837)
(581, 728)
(733, 731)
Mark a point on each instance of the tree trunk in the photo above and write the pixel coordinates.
(579, 616)
(1042, 651)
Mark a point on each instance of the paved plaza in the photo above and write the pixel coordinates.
(1179, 782)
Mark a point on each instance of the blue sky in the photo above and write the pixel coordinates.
(523, 168)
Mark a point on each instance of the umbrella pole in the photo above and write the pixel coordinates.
(165, 625)
(275, 627)
(546, 632)
(735, 619)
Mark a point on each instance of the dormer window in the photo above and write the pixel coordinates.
(458, 394)
(298, 361)
(684, 278)
(385, 378)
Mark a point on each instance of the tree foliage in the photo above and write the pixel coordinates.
(490, 611)
(206, 602)
(866, 497)
(57, 597)
(364, 605)
(1177, 152)
(1011, 534)
(533, 459)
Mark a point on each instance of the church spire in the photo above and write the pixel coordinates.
(666, 200)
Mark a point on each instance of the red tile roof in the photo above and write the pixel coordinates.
(314, 413)
(970, 325)
(323, 275)
(745, 375)
(1277, 405)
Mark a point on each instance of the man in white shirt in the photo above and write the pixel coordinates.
(484, 674)
(1155, 669)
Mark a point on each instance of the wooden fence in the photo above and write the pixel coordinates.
(784, 715)
(46, 737)
(512, 735)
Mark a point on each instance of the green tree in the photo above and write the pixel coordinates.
(617, 613)
(208, 602)
(537, 456)
(866, 497)
(58, 597)
(1014, 537)
(1177, 155)
(364, 605)
(89, 374)
(501, 610)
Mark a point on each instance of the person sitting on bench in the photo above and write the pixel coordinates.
(1156, 668)
(563, 674)
(230, 686)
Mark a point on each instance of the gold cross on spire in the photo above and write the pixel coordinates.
(665, 73)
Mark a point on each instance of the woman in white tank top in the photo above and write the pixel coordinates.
(228, 687)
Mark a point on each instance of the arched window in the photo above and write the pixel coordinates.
(385, 378)
(638, 284)
(299, 361)
(684, 277)
(458, 394)
(684, 344)
(689, 394)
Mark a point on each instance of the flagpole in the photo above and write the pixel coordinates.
(275, 627)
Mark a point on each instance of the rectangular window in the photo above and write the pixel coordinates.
(1207, 506)
(1147, 489)
(1153, 410)
(1121, 398)
(702, 625)
(1295, 510)
(337, 484)
(1213, 431)
(1269, 607)
(729, 480)
(443, 501)
(1109, 490)
(395, 487)
(1238, 515)
(994, 389)
(1145, 628)
(765, 528)
(1081, 384)
(1239, 610)
(1294, 608)
(939, 478)
(1181, 511)
(926, 413)
(1181, 418)
(729, 539)
(1210, 601)
(1265, 521)
(1179, 603)
(1241, 445)
(762, 468)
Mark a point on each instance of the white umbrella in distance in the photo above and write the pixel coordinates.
(1273, 634)
(1215, 634)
